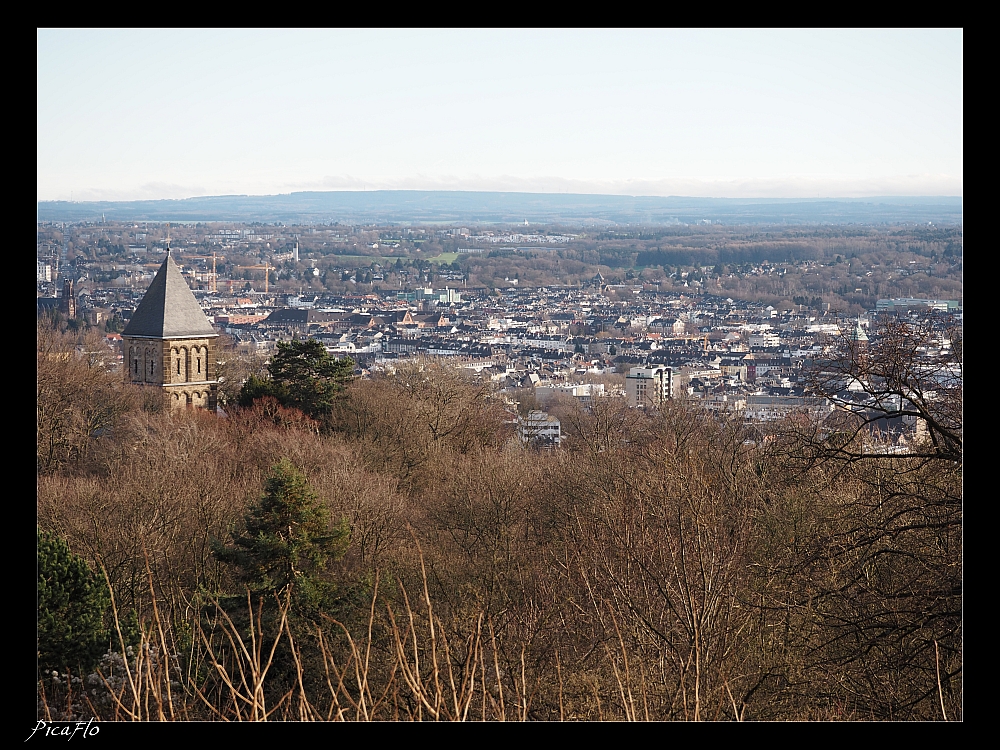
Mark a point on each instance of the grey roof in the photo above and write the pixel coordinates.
(299, 316)
(169, 309)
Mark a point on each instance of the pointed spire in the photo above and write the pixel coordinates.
(169, 309)
(858, 334)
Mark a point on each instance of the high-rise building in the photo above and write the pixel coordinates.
(170, 344)
(649, 386)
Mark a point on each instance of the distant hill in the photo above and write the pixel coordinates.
(455, 207)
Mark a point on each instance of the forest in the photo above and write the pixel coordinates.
(333, 548)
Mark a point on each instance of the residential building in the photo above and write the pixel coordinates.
(649, 386)
(539, 429)
(770, 408)
(44, 273)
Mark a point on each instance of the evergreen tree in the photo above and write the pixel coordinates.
(283, 550)
(72, 602)
(287, 540)
(302, 375)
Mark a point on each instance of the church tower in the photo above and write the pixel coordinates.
(169, 343)
(67, 303)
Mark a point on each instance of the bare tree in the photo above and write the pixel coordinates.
(80, 397)
(904, 370)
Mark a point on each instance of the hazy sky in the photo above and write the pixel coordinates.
(171, 114)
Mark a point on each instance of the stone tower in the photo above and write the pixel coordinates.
(170, 344)
(67, 303)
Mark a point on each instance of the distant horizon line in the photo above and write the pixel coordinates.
(762, 198)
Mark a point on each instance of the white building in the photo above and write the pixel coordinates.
(771, 408)
(539, 429)
(765, 339)
(44, 271)
(583, 392)
(649, 385)
(725, 402)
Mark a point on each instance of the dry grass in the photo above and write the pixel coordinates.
(224, 672)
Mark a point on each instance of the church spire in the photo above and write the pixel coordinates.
(170, 344)
(169, 309)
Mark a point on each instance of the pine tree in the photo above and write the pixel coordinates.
(303, 375)
(72, 602)
(287, 540)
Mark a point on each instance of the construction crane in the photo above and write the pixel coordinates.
(267, 268)
(689, 339)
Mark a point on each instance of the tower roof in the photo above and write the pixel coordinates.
(858, 333)
(169, 309)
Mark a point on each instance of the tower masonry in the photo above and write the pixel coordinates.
(170, 344)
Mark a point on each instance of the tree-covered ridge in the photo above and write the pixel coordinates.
(664, 565)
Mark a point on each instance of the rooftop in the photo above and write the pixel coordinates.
(169, 309)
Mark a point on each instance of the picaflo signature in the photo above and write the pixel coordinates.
(67, 729)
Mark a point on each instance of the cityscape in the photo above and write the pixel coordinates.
(639, 443)
(580, 336)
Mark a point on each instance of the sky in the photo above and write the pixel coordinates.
(144, 114)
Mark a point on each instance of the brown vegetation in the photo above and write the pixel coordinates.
(659, 566)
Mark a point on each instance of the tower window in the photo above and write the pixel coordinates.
(199, 365)
(178, 367)
(136, 366)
